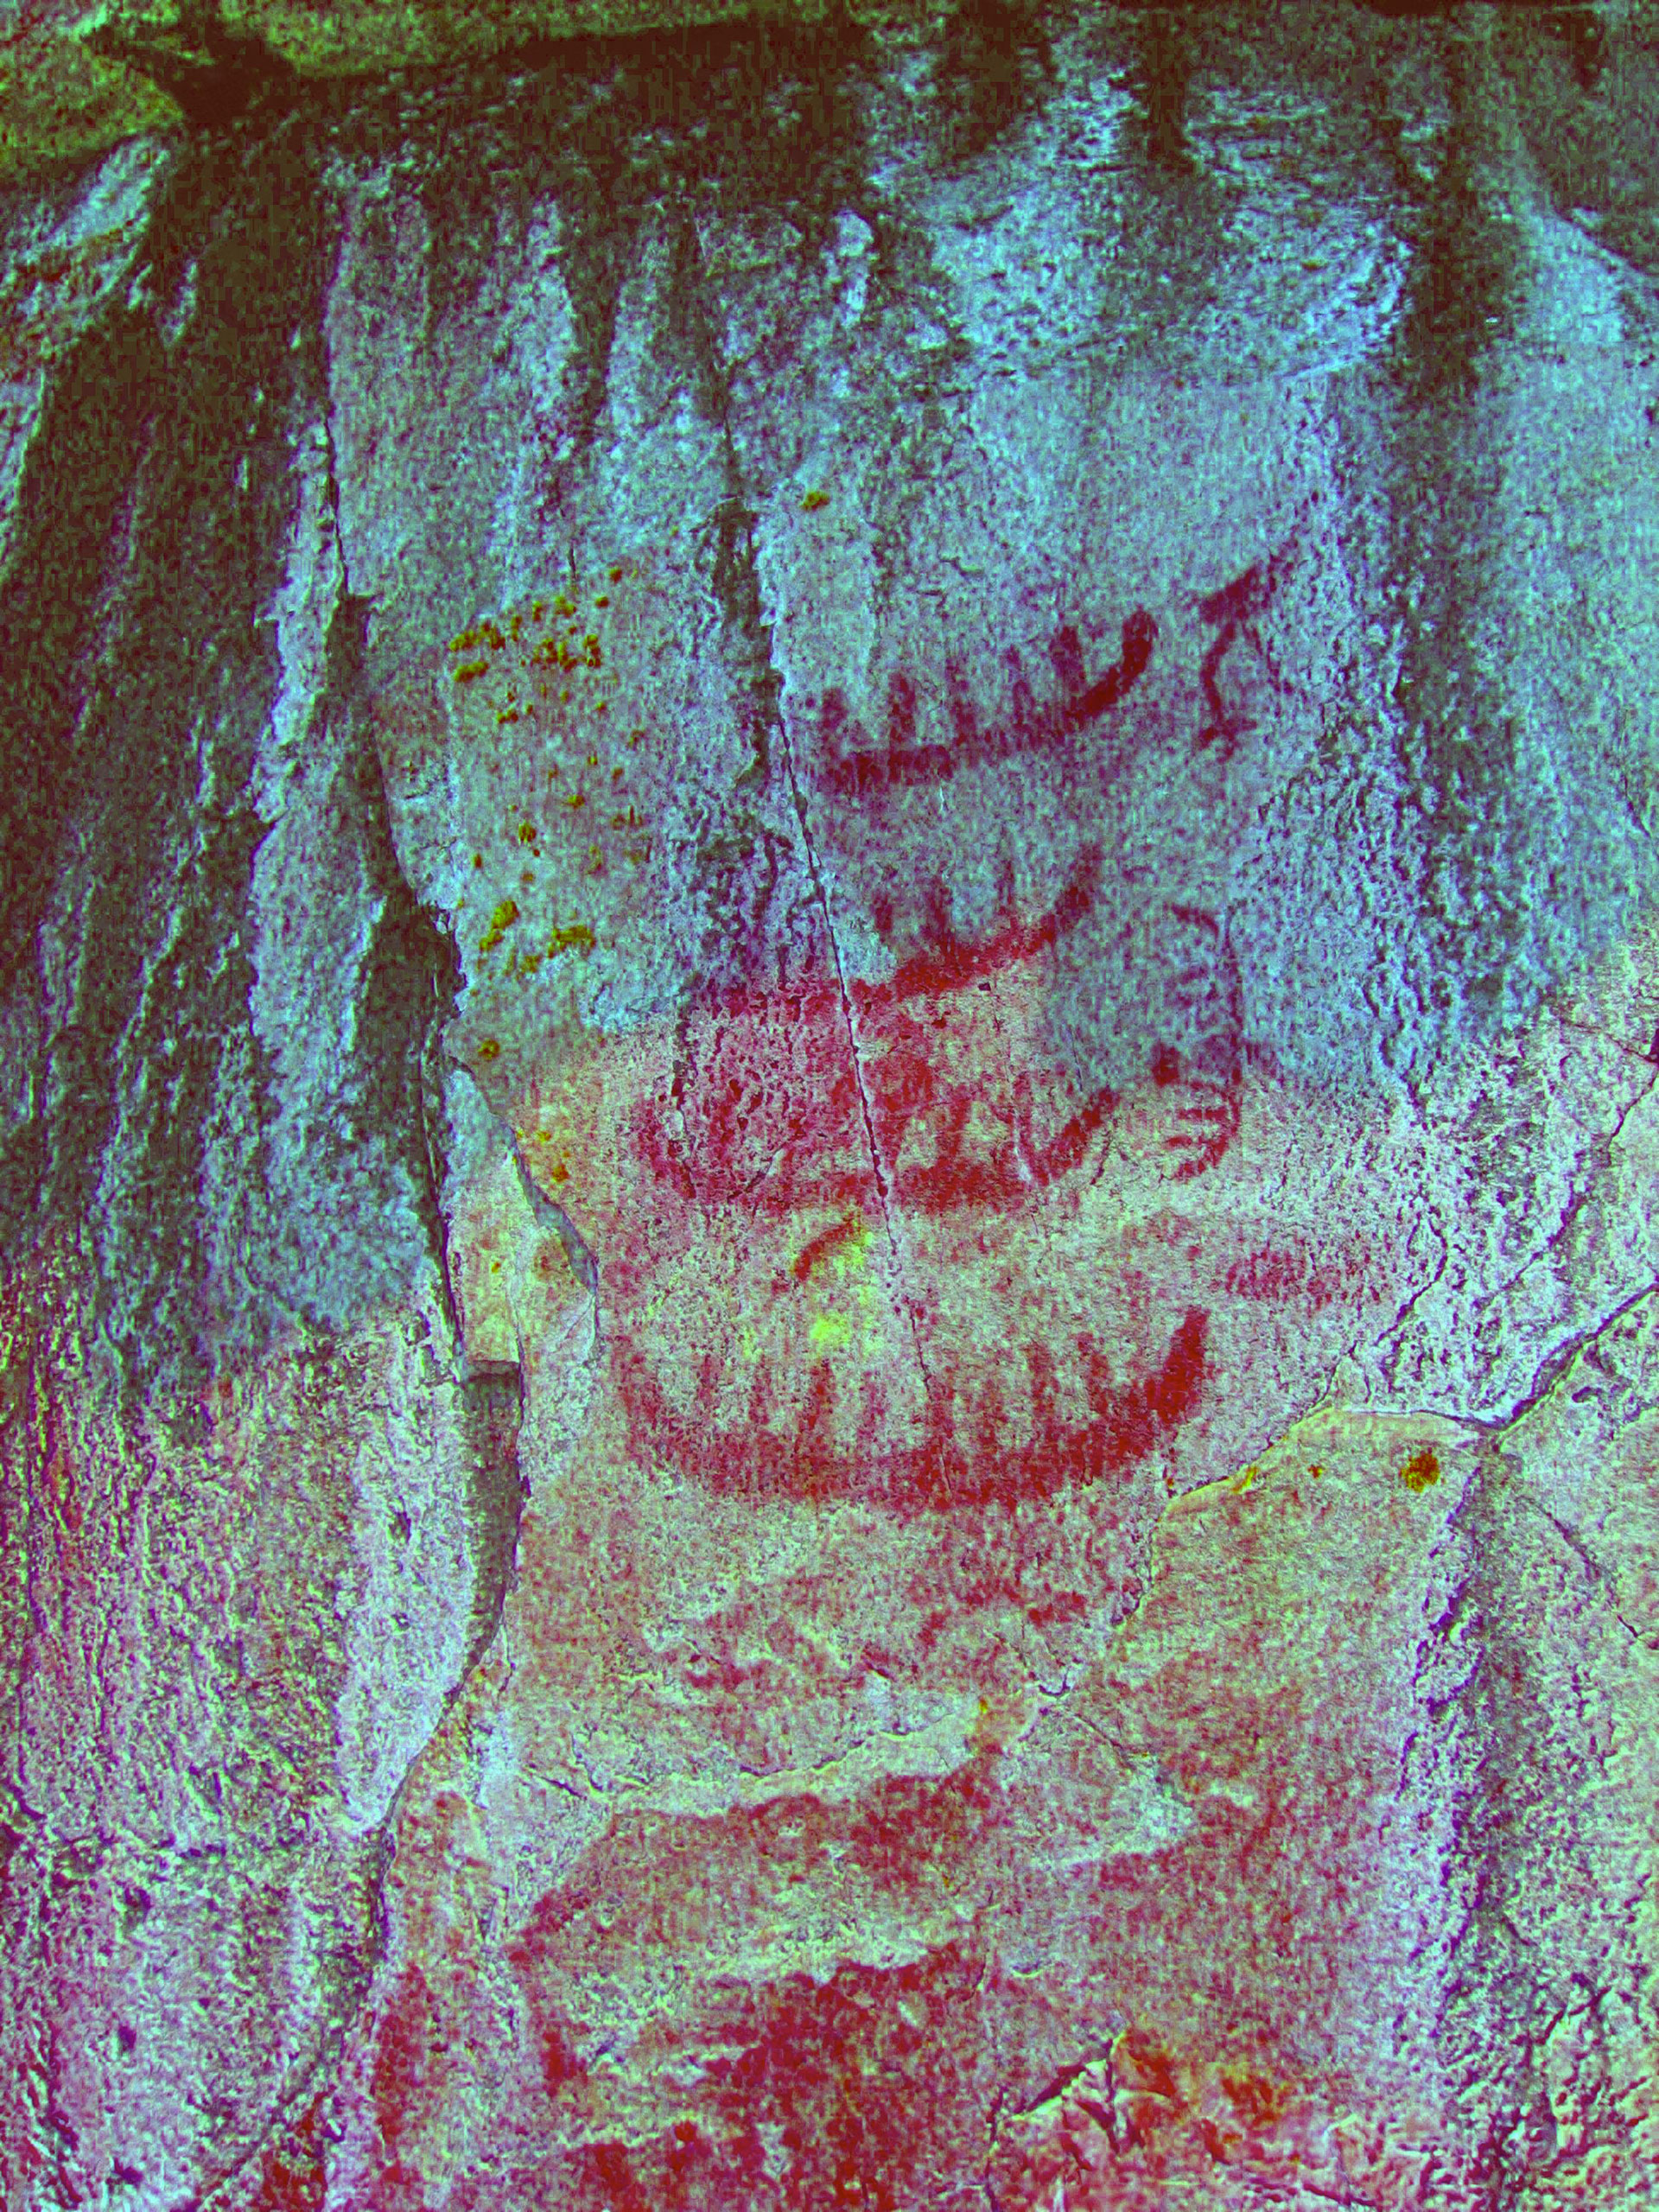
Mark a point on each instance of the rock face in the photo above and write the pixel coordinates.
(827, 1107)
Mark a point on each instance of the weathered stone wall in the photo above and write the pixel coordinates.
(829, 1019)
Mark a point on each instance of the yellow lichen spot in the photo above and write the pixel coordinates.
(593, 760)
(563, 606)
(601, 706)
(500, 921)
(616, 575)
(832, 1331)
(575, 799)
(529, 964)
(1316, 1469)
(543, 1136)
(515, 626)
(636, 737)
(1422, 1470)
(558, 1172)
(465, 642)
(470, 670)
(489, 1050)
(495, 1267)
(848, 1258)
(507, 715)
(576, 935)
(601, 600)
(538, 610)
(814, 501)
(590, 651)
(526, 833)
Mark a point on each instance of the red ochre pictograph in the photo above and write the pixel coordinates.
(847, 766)
(910, 1132)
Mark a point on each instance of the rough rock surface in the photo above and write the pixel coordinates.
(827, 1114)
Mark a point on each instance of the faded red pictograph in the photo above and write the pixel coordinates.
(847, 766)
(918, 1122)
(1234, 612)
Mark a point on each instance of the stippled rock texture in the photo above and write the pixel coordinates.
(829, 1024)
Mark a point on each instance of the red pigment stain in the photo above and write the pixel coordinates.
(812, 2094)
(405, 2064)
(900, 1102)
(667, 1882)
(1232, 612)
(945, 1467)
(774, 1113)
(847, 766)
(294, 2180)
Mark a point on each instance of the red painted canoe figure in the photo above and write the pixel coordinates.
(847, 766)
(855, 1261)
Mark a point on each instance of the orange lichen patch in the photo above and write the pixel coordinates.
(500, 921)
(1421, 1470)
(813, 501)
(569, 682)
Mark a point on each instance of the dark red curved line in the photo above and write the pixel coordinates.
(901, 765)
(1140, 634)
(820, 1248)
(1126, 1422)
(951, 967)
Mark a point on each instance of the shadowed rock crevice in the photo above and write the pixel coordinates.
(144, 680)
(213, 73)
(164, 1099)
(1484, 816)
(391, 1110)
